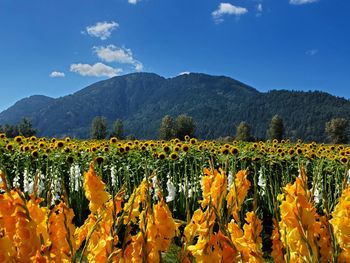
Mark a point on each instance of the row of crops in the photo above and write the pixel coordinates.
(134, 201)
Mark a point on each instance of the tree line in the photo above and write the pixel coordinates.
(23, 128)
(335, 130)
(181, 126)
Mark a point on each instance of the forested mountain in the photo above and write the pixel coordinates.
(216, 103)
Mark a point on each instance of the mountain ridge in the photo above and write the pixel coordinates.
(217, 104)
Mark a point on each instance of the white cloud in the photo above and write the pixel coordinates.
(259, 8)
(57, 74)
(112, 53)
(311, 52)
(102, 30)
(133, 2)
(138, 66)
(96, 70)
(227, 9)
(302, 2)
(184, 73)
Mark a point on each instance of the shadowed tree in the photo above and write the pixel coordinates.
(184, 125)
(118, 129)
(25, 128)
(11, 131)
(276, 128)
(167, 128)
(99, 128)
(336, 130)
(243, 132)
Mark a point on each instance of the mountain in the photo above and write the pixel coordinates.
(216, 103)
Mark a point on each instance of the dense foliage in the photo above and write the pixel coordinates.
(243, 200)
(217, 105)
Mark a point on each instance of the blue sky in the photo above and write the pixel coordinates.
(55, 48)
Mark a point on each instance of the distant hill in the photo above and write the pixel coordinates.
(217, 104)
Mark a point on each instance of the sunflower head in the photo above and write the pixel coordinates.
(174, 156)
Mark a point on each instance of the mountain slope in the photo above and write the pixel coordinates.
(27, 107)
(216, 103)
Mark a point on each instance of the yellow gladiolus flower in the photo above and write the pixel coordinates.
(7, 249)
(166, 226)
(238, 193)
(341, 224)
(95, 190)
(61, 232)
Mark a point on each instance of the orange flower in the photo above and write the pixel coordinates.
(341, 224)
(249, 242)
(299, 227)
(94, 190)
(214, 185)
(61, 232)
(238, 193)
(7, 249)
(137, 198)
(165, 223)
(8, 203)
(277, 246)
(25, 238)
(38, 258)
(39, 215)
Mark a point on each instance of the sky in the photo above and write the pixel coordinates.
(55, 48)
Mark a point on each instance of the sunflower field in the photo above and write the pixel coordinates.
(64, 200)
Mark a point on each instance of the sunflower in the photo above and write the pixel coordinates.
(122, 150)
(193, 141)
(166, 148)
(291, 151)
(174, 156)
(18, 139)
(185, 147)
(234, 151)
(9, 146)
(35, 154)
(225, 151)
(161, 156)
(67, 150)
(344, 160)
(59, 144)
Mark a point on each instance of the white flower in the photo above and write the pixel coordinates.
(55, 184)
(229, 181)
(113, 175)
(261, 180)
(41, 185)
(317, 196)
(71, 177)
(155, 187)
(190, 192)
(171, 191)
(28, 183)
(16, 183)
(75, 178)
